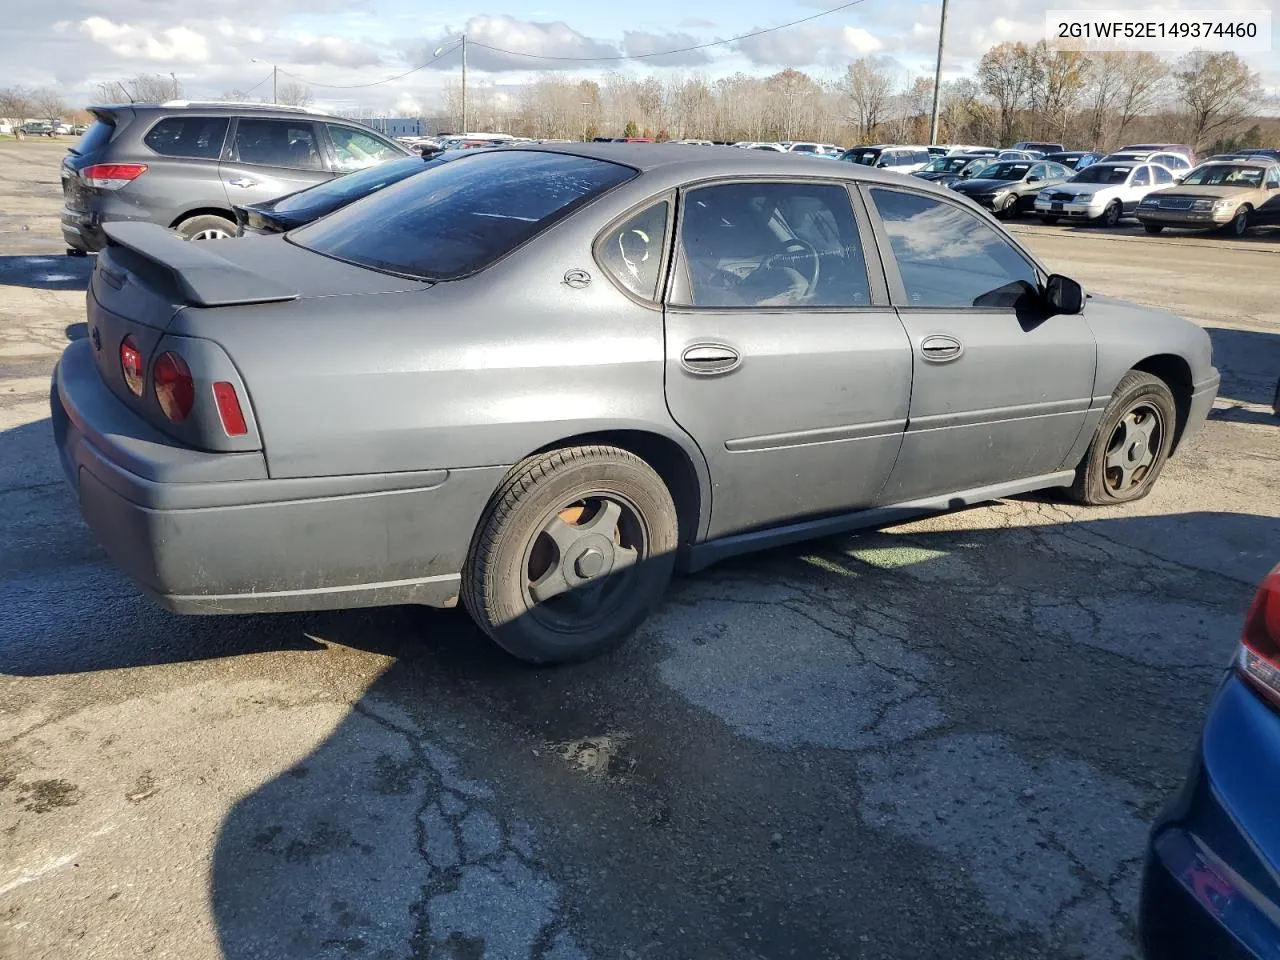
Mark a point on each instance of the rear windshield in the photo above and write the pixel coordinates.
(867, 158)
(343, 190)
(95, 138)
(461, 216)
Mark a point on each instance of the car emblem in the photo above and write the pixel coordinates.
(96, 337)
(577, 278)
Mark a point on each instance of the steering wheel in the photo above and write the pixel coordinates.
(793, 246)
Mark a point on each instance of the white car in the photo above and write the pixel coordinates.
(1104, 191)
(775, 147)
(818, 149)
(1167, 159)
(900, 159)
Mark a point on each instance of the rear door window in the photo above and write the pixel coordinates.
(632, 251)
(186, 136)
(1162, 175)
(458, 218)
(1142, 178)
(277, 143)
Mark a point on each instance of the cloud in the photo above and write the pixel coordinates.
(336, 51)
(502, 43)
(695, 23)
(636, 43)
(809, 46)
(171, 45)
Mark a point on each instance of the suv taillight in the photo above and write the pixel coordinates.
(112, 176)
(1259, 659)
(175, 390)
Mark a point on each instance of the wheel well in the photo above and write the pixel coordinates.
(204, 212)
(1176, 374)
(666, 457)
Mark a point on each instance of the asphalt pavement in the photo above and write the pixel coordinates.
(945, 739)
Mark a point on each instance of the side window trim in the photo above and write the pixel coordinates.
(678, 294)
(668, 244)
(884, 246)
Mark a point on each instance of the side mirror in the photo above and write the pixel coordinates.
(1063, 295)
(1179, 178)
(883, 163)
(1033, 179)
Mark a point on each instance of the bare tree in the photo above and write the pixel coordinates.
(1143, 79)
(1005, 73)
(294, 94)
(1057, 84)
(239, 96)
(142, 88)
(48, 104)
(868, 85)
(16, 104)
(1217, 91)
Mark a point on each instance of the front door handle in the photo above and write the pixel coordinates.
(705, 359)
(242, 182)
(940, 349)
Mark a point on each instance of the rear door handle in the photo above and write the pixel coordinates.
(706, 359)
(940, 349)
(242, 182)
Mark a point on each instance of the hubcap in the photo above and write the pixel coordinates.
(578, 567)
(1134, 445)
(213, 233)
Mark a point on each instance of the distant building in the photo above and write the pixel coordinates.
(395, 126)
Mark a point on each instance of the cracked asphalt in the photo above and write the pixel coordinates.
(944, 739)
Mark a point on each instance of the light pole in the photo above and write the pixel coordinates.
(439, 50)
(275, 76)
(937, 75)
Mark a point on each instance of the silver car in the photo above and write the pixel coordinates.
(537, 379)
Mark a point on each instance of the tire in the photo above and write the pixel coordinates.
(1131, 445)
(1153, 227)
(1049, 221)
(1111, 216)
(512, 554)
(206, 226)
(1239, 224)
(1009, 209)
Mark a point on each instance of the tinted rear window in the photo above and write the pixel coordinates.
(95, 138)
(461, 216)
(343, 190)
(866, 157)
(185, 136)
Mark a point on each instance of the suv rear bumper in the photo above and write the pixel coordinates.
(253, 545)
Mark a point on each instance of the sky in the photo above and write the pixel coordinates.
(343, 48)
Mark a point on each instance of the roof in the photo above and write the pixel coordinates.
(688, 162)
(217, 107)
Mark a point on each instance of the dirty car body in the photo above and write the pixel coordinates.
(775, 348)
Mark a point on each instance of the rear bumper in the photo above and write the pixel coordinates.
(1209, 888)
(240, 542)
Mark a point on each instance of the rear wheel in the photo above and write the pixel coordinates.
(206, 226)
(1131, 445)
(1153, 227)
(1110, 216)
(574, 550)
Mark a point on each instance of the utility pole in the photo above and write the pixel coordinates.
(174, 78)
(275, 81)
(937, 75)
(464, 84)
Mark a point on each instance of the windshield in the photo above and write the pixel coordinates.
(461, 216)
(1102, 173)
(1006, 171)
(342, 190)
(867, 157)
(1224, 175)
(947, 165)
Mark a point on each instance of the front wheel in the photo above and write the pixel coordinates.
(206, 226)
(573, 551)
(1153, 227)
(1009, 209)
(1239, 224)
(1111, 216)
(1131, 445)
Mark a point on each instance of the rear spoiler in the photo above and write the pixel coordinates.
(203, 277)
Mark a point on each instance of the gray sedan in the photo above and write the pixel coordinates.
(538, 379)
(1009, 187)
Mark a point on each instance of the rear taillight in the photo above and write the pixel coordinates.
(1259, 659)
(229, 412)
(174, 387)
(112, 176)
(131, 366)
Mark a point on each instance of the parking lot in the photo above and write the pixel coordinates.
(945, 739)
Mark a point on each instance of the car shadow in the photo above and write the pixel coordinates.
(1249, 361)
(52, 272)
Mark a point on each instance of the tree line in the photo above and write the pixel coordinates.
(1017, 91)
